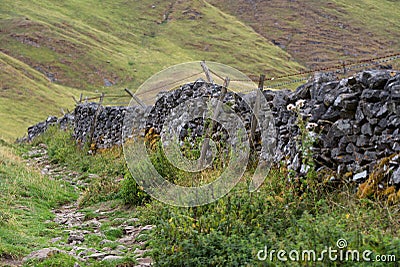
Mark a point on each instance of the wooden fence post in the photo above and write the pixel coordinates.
(256, 108)
(207, 72)
(137, 99)
(344, 67)
(209, 130)
(76, 101)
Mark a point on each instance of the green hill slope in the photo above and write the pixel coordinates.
(26, 97)
(109, 45)
(83, 42)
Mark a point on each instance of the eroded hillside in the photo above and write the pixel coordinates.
(321, 33)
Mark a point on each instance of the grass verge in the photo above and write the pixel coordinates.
(26, 200)
(233, 230)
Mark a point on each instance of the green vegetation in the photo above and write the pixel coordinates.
(53, 50)
(109, 166)
(81, 43)
(381, 17)
(57, 260)
(26, 200)
(27, 97)
(230, 232)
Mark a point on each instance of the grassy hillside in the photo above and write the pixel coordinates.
(27, 97)
(49, 47)
(320, 33)
(83, 42)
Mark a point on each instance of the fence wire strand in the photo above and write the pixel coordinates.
(337, 68)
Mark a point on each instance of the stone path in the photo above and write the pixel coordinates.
(79, 228)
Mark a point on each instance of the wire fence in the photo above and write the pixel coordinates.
(273, 82)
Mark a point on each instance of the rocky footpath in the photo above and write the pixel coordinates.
(354, 121)
(79, 229)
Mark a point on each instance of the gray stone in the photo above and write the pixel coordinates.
(396, 147)
(358, 122)
(329, 99)
(394, 121)
(112, 258)
(382, 124)
(323, 92)
(304, 169)
(345, 159)
(85, 252)
(351, 80)
(370, 156)
(295, 165)
(371, 95)
(55, 240)
(105, 241)
(341, 127)
(371, 109)
(331, 114)
(97, 256)
(302, 92)
(359, 116)
(360, 176)
(366, 129)
(383, 111)
(318, 112)
(42, 254)
(374, 79)
(395, 179)
(144, 261)
(348, 102)
(76, 237)
(351, 148)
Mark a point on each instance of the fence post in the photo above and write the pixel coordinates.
(137, 99)
(209, 130)
(256, 109)
(76, 101)
(207, 72)
(344, 67)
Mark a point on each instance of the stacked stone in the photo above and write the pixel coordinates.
(39, 128)
(108, 123)
(167, 103)
(103, 123)
(84, 118)
(67, 121)
(356, 121)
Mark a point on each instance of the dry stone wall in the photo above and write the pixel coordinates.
(355, 121)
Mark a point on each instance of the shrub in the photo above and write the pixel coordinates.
(108, 164)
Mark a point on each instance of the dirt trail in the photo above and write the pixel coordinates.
(80, 227)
